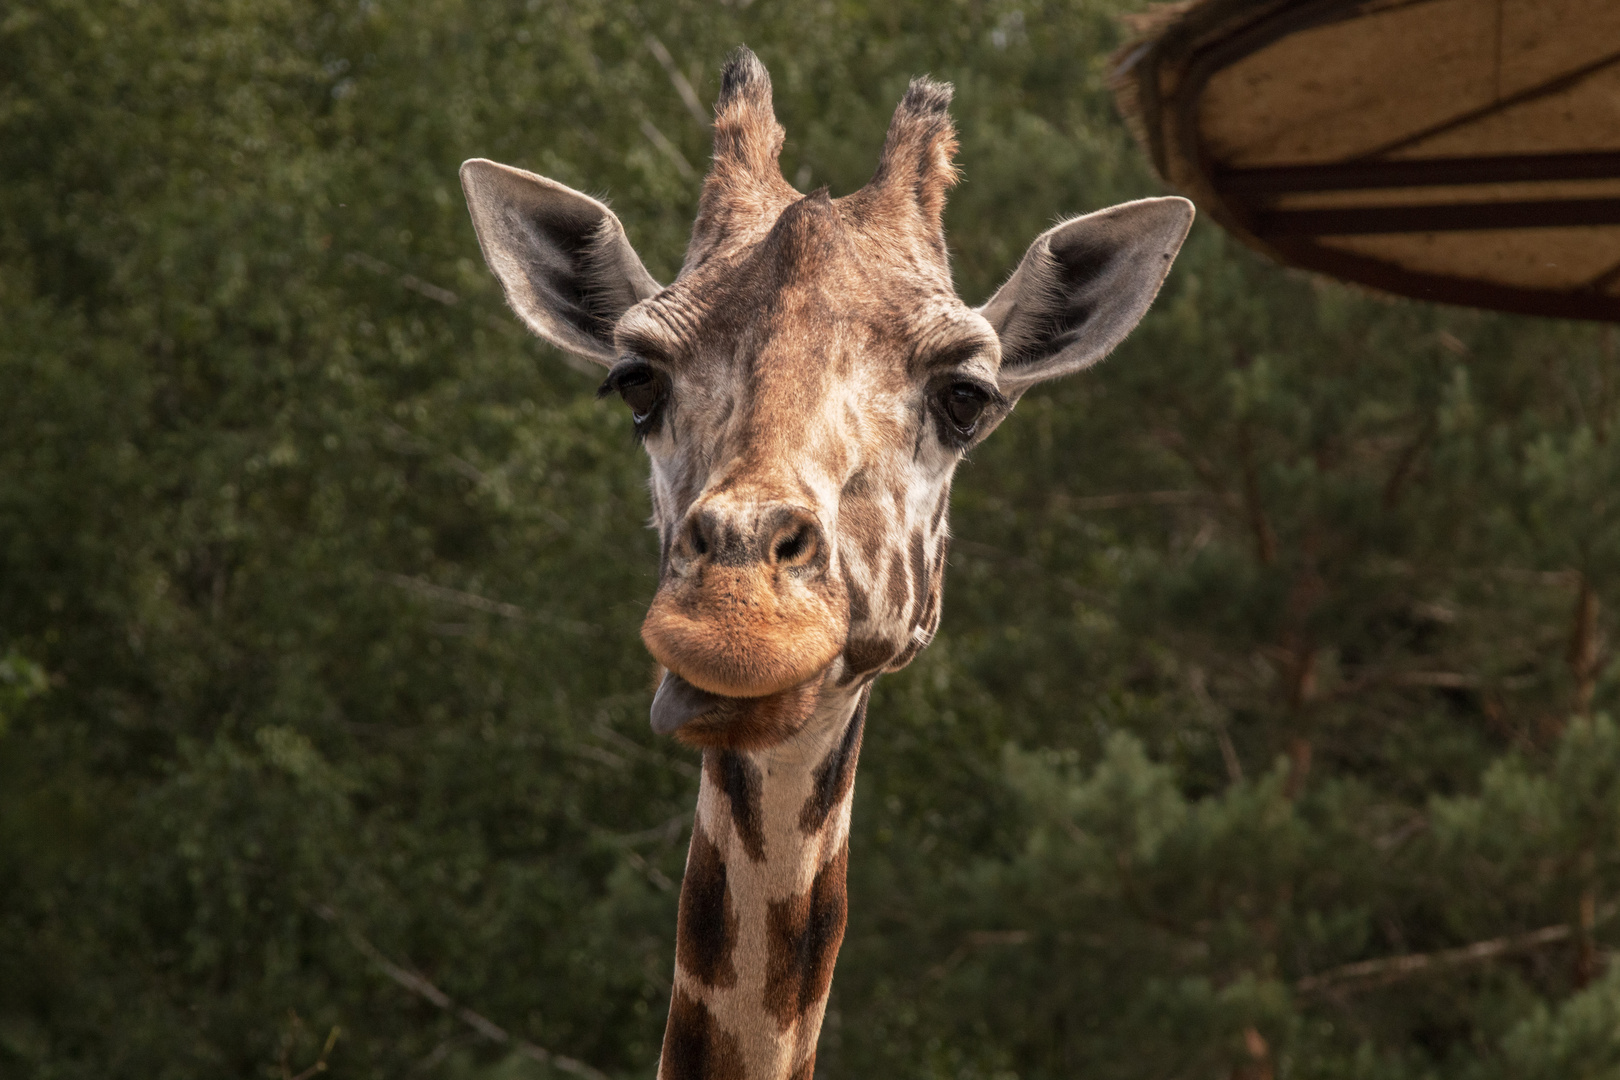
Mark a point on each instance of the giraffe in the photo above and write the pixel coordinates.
(804, 390)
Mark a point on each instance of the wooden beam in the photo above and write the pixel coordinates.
(1579, 303)
(1437, 217)
(1418, 172)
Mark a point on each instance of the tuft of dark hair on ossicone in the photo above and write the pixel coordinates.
(925, 97)
(915, 168)
(743, 78)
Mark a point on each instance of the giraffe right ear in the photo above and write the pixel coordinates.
(568, 270)
(1082, 287)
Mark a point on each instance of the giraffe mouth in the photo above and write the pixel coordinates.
(700, 718)
(746, 622)
(746, 631)
(678, 703)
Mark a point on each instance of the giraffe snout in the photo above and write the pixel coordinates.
(748, 607)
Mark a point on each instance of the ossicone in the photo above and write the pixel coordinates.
(747, 138)
(916, 169)
(744, 190)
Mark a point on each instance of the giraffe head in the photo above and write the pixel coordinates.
(805, 389)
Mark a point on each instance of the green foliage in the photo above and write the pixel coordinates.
(20, 679)
(1275, 649)
(1578, 1038)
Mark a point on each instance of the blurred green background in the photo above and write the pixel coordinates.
(1266, 735)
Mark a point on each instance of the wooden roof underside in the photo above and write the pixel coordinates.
(1465, 151)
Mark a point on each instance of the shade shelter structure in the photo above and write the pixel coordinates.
(1463, 151)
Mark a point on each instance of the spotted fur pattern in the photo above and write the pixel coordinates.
(798, 341)
(762, 907)
(800, 392)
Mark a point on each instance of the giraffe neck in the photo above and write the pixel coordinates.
(762, 906)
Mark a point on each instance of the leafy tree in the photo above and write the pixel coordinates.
(1267, 734)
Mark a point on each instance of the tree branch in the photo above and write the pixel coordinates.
(445, 594)
(688, 96)
(408, 281)
(668, 149)
(1172, 440)
(1404, 463)
(1125, 499)
(1371, 974)
(1265, 539)
(421, 987)
(1585, 645)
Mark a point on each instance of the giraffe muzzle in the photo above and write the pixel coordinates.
(747, 608)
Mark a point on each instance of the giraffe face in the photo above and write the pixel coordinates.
(805, 390)
(804, 399)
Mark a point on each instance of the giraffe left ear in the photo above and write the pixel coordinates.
(562, 257)
(1082, 287)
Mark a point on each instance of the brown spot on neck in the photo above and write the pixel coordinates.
(802, 938)
(836, 773)
(737, 776)
(695, 1046)
(707, 928)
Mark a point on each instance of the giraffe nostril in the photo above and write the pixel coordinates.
(697, 535)
(779, 536)
(796, 542)
(790, 547)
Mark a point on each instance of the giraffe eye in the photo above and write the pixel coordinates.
(963, 403)
(640, 392)
(641, 387)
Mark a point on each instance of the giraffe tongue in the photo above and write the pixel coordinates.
(678, 702)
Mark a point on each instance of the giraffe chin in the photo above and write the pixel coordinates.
(699, 718)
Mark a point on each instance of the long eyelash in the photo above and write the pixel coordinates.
(610, 385)
(992, 397)
(613, 384)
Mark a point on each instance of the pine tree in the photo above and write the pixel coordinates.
(1268, 733)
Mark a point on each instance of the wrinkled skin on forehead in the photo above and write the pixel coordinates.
(799, 372)
(804, 390)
